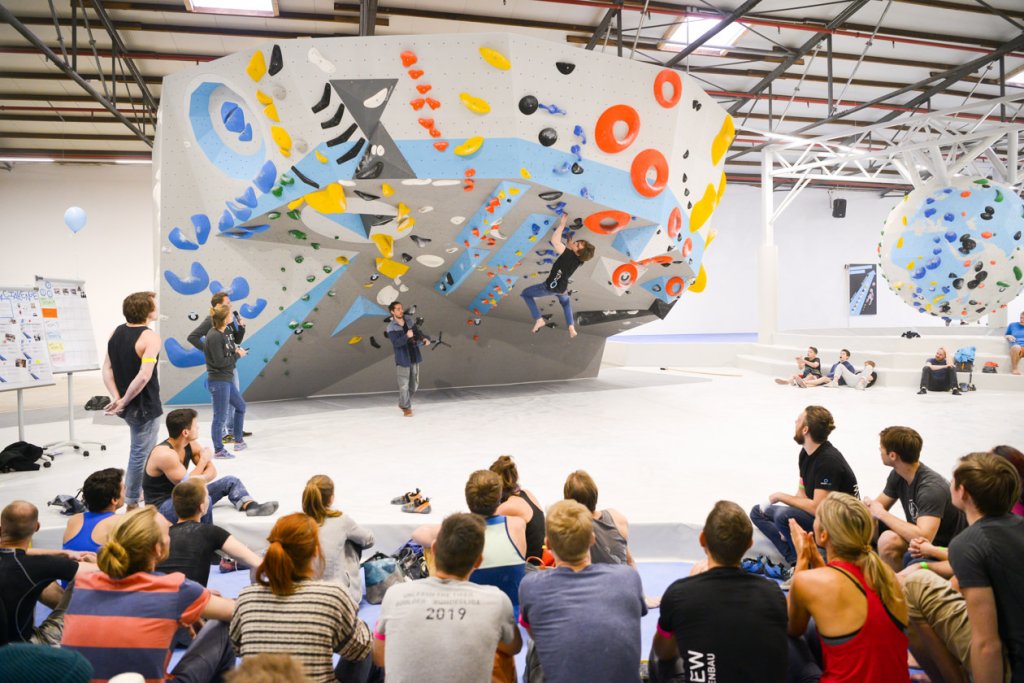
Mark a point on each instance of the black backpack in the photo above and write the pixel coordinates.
(20, 456)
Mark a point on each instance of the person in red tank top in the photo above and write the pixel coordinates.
(855, 600)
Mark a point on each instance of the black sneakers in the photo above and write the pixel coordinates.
(261, 509)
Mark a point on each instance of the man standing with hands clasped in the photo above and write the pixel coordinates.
(406, 337)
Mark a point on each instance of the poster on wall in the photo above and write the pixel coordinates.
(863, 288)
(24, 356)
(68, 326)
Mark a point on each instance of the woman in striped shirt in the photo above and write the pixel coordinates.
(289, 611)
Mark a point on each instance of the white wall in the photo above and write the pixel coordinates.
(113, 254)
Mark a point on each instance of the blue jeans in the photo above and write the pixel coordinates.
(408, 381)
(229, 419)
(539, 290)
(774, 523)
(225, 395)
(144, 433)
(209, 656)
(229, 486)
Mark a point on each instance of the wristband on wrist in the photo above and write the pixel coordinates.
(923, 565)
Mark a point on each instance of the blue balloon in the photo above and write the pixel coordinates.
(75, 218)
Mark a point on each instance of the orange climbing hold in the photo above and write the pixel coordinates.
(642, 164)
(408, 58)
(604, 131)
(607, 222)
(435, 133)
(668, 77)
(432, 103)
(415, 73)
(675, 285)
(675, 222)
(423, 88)
(426, 123)
(470, 172)
(625, 275)
(441, 145)
(418, 103)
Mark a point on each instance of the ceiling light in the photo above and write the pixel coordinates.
(247, 8)
(133, 161)
(1016, 78)
(692, 28)
(32, 160)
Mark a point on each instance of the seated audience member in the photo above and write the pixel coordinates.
(833, 374)
(855, 600)
(858, 380)
(1016, 459)
(444, 627)
(268, 669)
(28, 576)
(808, 366)
(342, 540)
(33, 663)
(290, 611)
(699, 614)
(518, 502)
(1015, 335)
(103, 492)
(103, 619)
(168, 465)
(584, 618)
(939, 374)
(822, 469)
(611, 528)
(194, 544)
(981, 627)
(928, 511)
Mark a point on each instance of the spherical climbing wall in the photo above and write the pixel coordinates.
(319, 180)
(954, 250)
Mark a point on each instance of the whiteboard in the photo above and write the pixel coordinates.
(68, 324)
(24, 354)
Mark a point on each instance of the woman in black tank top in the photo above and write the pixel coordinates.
(517, 502)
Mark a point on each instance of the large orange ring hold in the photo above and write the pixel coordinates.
(604, 131)
(675, 223)
(674, 286)
(594, 221)
(645, 161)
(671, 77)
(625, 275)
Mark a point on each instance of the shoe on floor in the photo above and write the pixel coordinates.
(419, 506)
(753, 565)
(783, 381)
(407, 412)
(862, 384)
(800, 383)
(922, 391)
(227, 565)
(245, 433)
(241, 446)
(222, 454)
(228, 438)
(261, 509)
(956, 392)
(406, 498)
(779, 572)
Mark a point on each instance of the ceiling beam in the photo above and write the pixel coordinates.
(115, 37)
(54, 76)
(58, 118)
(131, 54)
(714, 31)
(367, 17)
(179, 8)
(602, 28)
(75, 154)
(958, 7)
(22, 135)
(472, 18)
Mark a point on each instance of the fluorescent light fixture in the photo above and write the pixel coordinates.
(133, 161)
(1016, 78)
(692, 28)
(246, 8)
(28, 160)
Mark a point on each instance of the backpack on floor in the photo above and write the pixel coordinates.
(20, 456)
(411, 560)
(380, 572)
(964, 356)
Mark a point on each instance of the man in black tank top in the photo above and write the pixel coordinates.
(570, 257)
(129, 373)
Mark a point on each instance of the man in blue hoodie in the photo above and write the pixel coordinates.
(406, 338)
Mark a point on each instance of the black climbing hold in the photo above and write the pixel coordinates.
(550, 196)
(305, 179)
(548, 137)
(374, 343)
(406, 257)
(565, 67)
(528, 104)
(420, 241)
(352, 152)
(343, 137)
(577, 223)
(334, 120)
(276, 61)
(325, 99)
(449, 279)
(366, 196)
(380, 220)
(374, 277)
(685, 178)
(368, 170)
(576, 169)
(686, 154)
(1016, 235)
(193, 316)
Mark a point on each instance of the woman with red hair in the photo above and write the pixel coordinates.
(290, 611)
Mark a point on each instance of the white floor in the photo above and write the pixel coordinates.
(663, 446)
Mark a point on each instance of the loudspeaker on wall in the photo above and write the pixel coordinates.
(839, 208)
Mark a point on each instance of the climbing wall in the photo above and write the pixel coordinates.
(319, 180)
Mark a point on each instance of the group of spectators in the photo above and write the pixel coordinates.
(864, 586)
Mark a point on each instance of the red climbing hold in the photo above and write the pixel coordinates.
(417, 104)
(408, 58)
(432, 103)
(470, 172)
(435, 133)
(423, 88)
(441, 146)
(415, 73)
(427, 123)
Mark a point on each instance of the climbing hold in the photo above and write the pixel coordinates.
(276, 61)
(263, 98)
(408, 58)
(495, 58)
(607, 222)
(547, 137)
(470, 146)
(432, 103)
(257, 66)
(528, 104)
(703, 208)
(319, 157)
(355, 340)
(550, 196)
(441, 145)
(331, 199)
(722, 140)
(642, 165)
(271, 111)
(415, 73)
(669, 77)
(565, 68)
(391, 269)
(386, 190)
(476, 105)
(423, 88)
(625, 275)
(701, 282)
(281, 138)
(604, 131)
(417, 103)
(675, 222)
(524, 173)
(385, 244)
(426, 123)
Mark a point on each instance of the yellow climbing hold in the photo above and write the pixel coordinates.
(910, 266)
(513, 191)
(257, 66)
(470, 146)
(281, 138)
(331, 199)
(403, 210)
(700, 283)
(406, 224)
(494, 58)
(526, 174)
(703, 208)
(477, 105)
(391, 269)
(904, 219)
(343, 260)
(386, 190)
(355, 340)
(271, 111)
(319, 157)
(295, 203)
(899, 243)
(722, 141)
(721, 189)
(712, 234)
(898, 284)
(385, 243)
(264, 98)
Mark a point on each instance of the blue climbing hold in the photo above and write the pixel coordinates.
(201, 223)
(928, 213)
(248, 198)
(232, 116)
(246, 134)
(950, 236)
(197, 281)
(226, 221)
(264, 180)
(254, 310)
(238, 290)
(181, 357)
(178, 239)
(949, 218)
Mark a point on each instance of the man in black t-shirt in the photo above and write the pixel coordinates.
(924, 494)
(193, 543)
(823, 469)
(28, 576)
(700, 614)
(939, 374)
(570, 257)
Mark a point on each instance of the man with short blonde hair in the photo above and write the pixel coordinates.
(584, 618)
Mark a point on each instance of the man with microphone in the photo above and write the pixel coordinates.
(406, 338)
(235, 329)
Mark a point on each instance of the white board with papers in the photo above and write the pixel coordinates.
(67, 323)
(24, 355)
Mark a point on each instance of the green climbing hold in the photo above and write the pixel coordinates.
(316, 309)
(1002, 284)
(305, 297)
(280, 308)
(284, 289)
(297, 234)
(332, 293)
(315, 245)
(293, 324)
(282, 269)
(265, 360)
(277, 191)
(277, 343)
(999, 196)
(284, 360)
(274, 215)
(1017, 272)
(294, 214)
(300, 258)
(287, 179)
(328, 269)
(307, 325)
(982, 181)
(311, 278)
